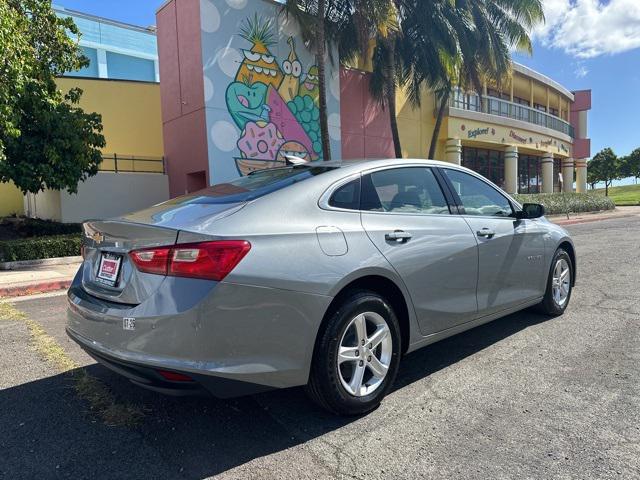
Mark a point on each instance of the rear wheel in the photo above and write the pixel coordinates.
(559, 286)
(357, 355)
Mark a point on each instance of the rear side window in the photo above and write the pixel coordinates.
(403, 190)
(347, 196)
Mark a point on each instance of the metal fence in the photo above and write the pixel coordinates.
(505, 108)
(132, 164)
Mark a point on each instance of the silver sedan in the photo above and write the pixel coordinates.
(320, 275)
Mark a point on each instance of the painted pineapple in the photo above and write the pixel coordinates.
(293, 70)
(311, 85)
(259, 65)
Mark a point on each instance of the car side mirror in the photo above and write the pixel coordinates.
(530, 211)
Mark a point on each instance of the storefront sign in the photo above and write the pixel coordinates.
(483, 132)
(478, 131)
(517, 137)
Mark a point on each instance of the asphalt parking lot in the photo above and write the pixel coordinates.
(522, 397)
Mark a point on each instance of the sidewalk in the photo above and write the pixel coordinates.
(31, 280)
(619, 212)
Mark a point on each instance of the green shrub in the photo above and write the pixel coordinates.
(42, 247)
(35, 227)
(558, 203)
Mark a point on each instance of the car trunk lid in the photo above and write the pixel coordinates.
(108, 272)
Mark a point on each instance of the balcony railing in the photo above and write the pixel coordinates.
(132, 164)
(505, 108)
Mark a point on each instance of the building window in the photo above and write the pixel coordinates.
(488, 163)
(126, 67)
(92, 69)
(529, 174)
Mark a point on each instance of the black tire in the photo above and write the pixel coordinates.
(548, 305)
(325, 387)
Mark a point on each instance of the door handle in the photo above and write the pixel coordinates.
(398, 236)
(485, 232)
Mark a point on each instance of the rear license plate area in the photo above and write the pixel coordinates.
(109, 269)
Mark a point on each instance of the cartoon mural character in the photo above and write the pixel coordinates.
(246, 103)
(292, 148)
(293, 70)
(311, 85)
(275, 113)
(259, 65)
(259, 146)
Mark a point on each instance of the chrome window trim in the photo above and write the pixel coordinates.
(514, 204)
(323, 202)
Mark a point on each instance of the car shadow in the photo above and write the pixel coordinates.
(46, 430)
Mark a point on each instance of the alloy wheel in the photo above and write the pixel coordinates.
(561, 282)
(364, 354)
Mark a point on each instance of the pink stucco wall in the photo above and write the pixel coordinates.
(182, 92)
(581, 103)
(365, 125)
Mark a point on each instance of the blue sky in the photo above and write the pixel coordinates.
(585, 44)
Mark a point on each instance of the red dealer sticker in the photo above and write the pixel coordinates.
(109, 269)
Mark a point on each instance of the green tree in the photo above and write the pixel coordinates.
(592, 175)
(630, 165)
(605, 167)
(486, 31)
(46, 140)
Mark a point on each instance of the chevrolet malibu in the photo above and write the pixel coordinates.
(322, 275)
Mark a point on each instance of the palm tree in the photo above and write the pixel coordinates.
(320, 21)
(384, 82)
(403, 56)
(376, 21)
(486, 31)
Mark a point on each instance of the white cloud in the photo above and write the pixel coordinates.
(589, 28)
(581, 71)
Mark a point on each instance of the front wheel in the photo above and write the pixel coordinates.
(357, 355)
(559, 285)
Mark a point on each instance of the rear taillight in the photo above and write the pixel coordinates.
(207, 260)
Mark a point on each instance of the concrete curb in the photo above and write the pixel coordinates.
(33, 288)
(591, 217)
(43, 262)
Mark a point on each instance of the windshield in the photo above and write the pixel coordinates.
(254, 185)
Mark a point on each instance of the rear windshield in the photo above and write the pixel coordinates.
(254, 185)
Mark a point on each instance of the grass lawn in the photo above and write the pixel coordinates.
(627, 195)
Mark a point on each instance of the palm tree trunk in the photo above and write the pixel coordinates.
(322, 84)
(436, 129)
(391, 99)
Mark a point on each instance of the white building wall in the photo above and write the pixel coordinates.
(112, 194)
(103, 196)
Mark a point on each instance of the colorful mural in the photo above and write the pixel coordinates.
(272, 102)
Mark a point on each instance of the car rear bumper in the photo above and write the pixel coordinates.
(148, 376)
(236, 340)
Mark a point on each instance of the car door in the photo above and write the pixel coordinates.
(406, 215)
(511, 251)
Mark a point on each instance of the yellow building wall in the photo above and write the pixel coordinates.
(11, 200)
(131, 117)
(416, 126)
